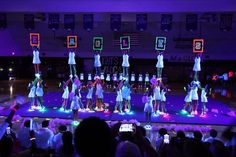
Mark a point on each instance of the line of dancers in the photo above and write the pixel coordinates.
(154, 98)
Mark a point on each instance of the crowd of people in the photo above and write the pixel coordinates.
(94, 137)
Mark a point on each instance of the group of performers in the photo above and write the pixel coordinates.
(154, 98)
(191, 99)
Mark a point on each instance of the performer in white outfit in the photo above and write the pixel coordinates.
(204, 99)
(39, 93)
(32, 93)
(157, 97)
(36, 60)
(126, 91)
(119, 99)
(74, 106)
(188, 100)
(163, 100)
(72, 63)
(125, 63)
(89, 106)
(97, 63)
(99, 95)
(159, 65)
(197, 66)
(195, 85)
(65, 95)
(148, 107)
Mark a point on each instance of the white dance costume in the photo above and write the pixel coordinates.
(197, 64)
(163, 97)
(97, 62)
(126, 93)
(188, 97)
(65, 94)
(99, 91)
(75, 103)
(71, 59)
(90, 93)
(39, 90)
(203, 96)
(32, 92)
(148, 105)
(119, 97)
(160, 63)
(157, 93)
(125, 62)
(36, 59)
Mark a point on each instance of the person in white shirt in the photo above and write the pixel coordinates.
(97, 63)
(24, 135)
(160, 64)
(36, 59)
(57, 139)
(125, 63)
(72, 63)
(44, 136)
(89, 96)
(213, 136)
(197, 66)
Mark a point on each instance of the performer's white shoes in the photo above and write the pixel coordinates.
(116, 111)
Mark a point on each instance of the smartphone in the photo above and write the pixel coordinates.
(127, 128)
(8, 130)
(31, 124)
(166, 139)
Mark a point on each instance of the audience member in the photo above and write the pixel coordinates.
(57, 139)
(24, 135)
(44, 136)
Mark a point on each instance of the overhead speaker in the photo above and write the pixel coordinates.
(3, 20)
(29, 21)
(226, 22)
(115, 21)
(88, 21)
(53, 21)
(191, 22)
(166, 22)
(141, 22)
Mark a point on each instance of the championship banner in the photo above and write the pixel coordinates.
(34, 39)
(72, 41)
(160, 44)
(198, 45)
(125, 43)
(97, 43)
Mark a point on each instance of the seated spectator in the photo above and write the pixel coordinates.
(160, 139)
(44, 136)
(24, 135)
(197, 135)
(127, 149)
(93, 138)
(67, 148)
(213, 136)
(143, 131)
(195, 148)
(57, 139)
(218, 149)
